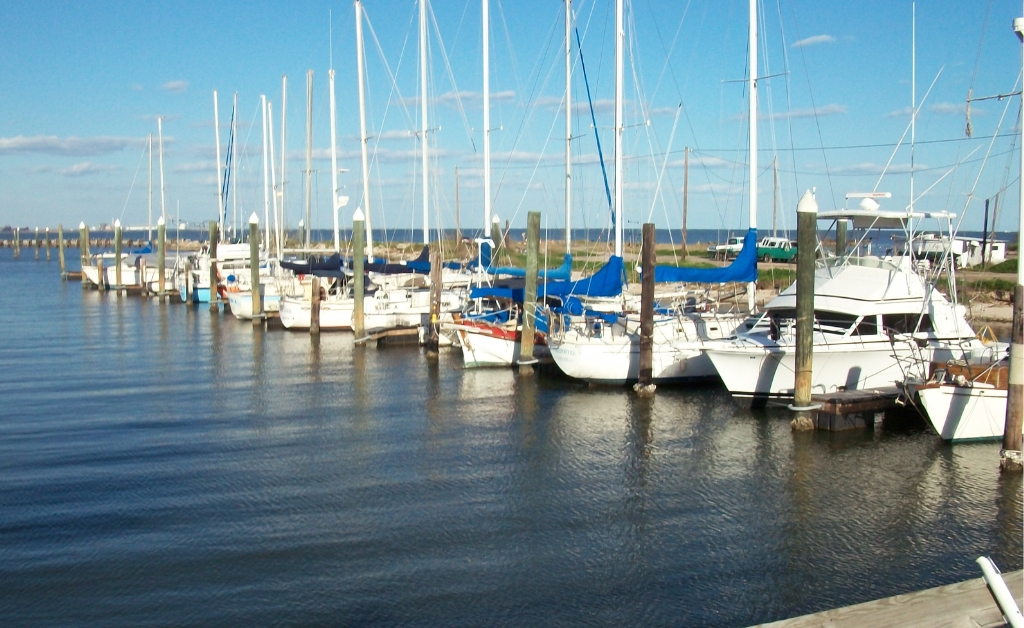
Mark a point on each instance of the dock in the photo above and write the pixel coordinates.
(852, 409)
(967, 604)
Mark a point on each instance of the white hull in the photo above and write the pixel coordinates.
(482, 348)
(751, 370)
(964, 413)
(610, 354)
(335, 314)
(241, 303)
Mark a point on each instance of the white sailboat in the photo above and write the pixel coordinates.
(603, 349)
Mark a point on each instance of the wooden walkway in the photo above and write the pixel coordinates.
(965, 604)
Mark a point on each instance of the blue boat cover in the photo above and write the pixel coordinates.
(743, 269)
(315, 263)
(606, 282)
(561, 273)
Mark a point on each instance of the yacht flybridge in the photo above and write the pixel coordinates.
(877, 318)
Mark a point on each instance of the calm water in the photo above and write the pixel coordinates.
(159, 465)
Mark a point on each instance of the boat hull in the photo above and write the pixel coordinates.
(964, 413)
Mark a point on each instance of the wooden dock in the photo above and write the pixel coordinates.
(852, 409)
(968, 604)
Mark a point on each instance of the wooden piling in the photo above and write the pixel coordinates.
(314, 306)
(435, 304)
(60, 251)
(118, 284)
(496, 235)
(357, 272)
(37, 242)
(188, 281)
(143, 284)
(1010, 455)
(807, 215)
(17, 242)
(47, 244)
(101, 278)
(254, 269)
(645, 382)
(214, 296)
(529, 326)
(161, 253)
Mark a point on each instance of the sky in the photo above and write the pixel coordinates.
(83, 83)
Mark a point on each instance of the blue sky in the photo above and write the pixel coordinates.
(81, 85)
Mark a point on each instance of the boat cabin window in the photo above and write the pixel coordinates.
(906, 323)
(868, 326)
(835, 322)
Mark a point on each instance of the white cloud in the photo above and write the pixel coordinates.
(69, 146)
(176, 87)
(86, 168)
(949, 108)
(813, 40)
(869, 168)
(828, 110)
(900, 113)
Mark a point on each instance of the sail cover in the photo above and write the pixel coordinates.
(562, 273)
(606, 282)
(743, 269)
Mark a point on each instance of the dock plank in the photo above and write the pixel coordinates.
(964, 604)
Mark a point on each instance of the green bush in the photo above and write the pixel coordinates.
(1008, 266)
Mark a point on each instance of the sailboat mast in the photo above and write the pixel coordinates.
(423, 116)
(619, 36)
(266, 179)
(220, 175)
(752, 133)
(234, 179)
(309, 151)
(334, 164)
(149, 220)
(273, 179)
(284, 152)
(568, 127)
(363, 139)
(486, 29)
(160, 138)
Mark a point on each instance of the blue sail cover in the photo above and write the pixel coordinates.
(743, 269)
(562, 273)
(606, 282)
(306, 267)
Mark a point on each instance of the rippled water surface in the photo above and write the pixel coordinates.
(162, 465)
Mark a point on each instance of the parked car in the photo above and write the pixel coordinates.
(731, 248)
(776, 250)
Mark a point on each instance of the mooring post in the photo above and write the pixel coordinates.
(435, 304)
(47, 244)
(60, 251)
(254, 268)
(807, 215)
(161, 255)
(1010, 456)
(143, 284)
(101, 276)
(83, 243)
(841, 227)
(314, 306)
(189, 283)
(17, 242)
(496, 234)
(529, 326)
(645, 385)
(214, 296)
(37, 242)
(118, 285)
(357, 273)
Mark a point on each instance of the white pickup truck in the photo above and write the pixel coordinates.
(730, 249)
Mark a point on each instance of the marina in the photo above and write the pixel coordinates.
(160, 457)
